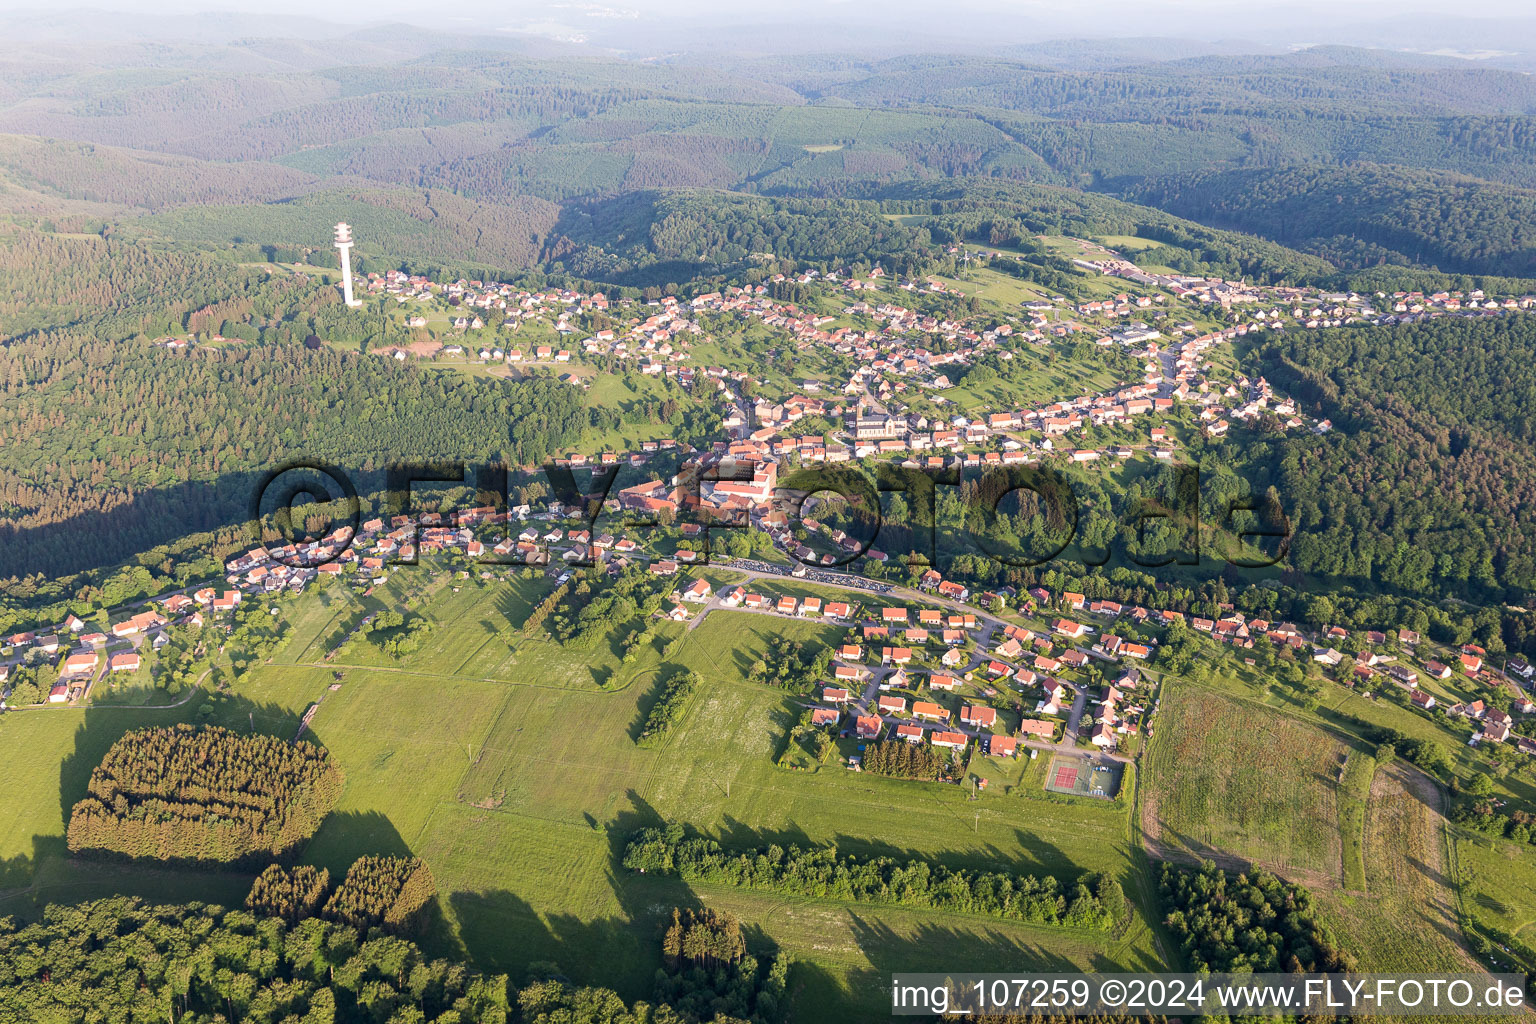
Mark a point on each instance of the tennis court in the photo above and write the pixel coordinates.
(1079, 776)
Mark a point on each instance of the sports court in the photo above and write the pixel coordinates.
(1078, 776)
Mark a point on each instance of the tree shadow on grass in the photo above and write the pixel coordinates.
(52, 874)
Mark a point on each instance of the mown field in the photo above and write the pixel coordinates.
(1406, 919)
(521, 796)
(1239, 782)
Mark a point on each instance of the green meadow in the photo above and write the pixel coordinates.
(509, 762)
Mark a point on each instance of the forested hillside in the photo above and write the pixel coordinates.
(420, 227)
(1362, 215)
(492, 160)
(657, 237)
(1425, 482)
(109, 449)
(1007, 213)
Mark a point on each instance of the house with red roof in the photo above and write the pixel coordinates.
(929, 711)
(978, 716)
(1002, 746)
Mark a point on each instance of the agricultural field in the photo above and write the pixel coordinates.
(1406, 920)
(1239, 783)
(528, 814)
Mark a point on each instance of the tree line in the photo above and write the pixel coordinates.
(899, 759)
(1094, 901)
(669, 706)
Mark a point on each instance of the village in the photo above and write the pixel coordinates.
(929, 662)
(1010, 672)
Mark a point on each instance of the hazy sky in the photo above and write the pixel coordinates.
(1505, 25)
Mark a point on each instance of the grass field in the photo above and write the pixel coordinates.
(726, 643)
(509, 762)
(549, 783)
(1234, 780)
(1497, 879)
(1406, 920)
(1354, 799)
(516, 775)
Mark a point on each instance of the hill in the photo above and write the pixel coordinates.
(1365, 214)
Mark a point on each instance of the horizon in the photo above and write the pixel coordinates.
(681, 29)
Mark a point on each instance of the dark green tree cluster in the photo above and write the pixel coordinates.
(124, 961)
(902, 760)
(1093, 902)
(792, 664)
(204, 793)
(710, 973)
(669, 706)
(1362, 214)
(652, 238)
(1246, 922)
(395, 632)
(289, 893)
(385, 892)
(1423, 484)
(599, 604)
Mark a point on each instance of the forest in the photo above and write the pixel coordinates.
(1239, 923)
(1095, 902)
(1419, 406)
(188, 793)
(120, 959)
(107, 450)
(1362, 215)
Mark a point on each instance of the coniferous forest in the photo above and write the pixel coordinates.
(205, 794)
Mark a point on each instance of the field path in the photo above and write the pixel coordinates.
(1407, 919)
